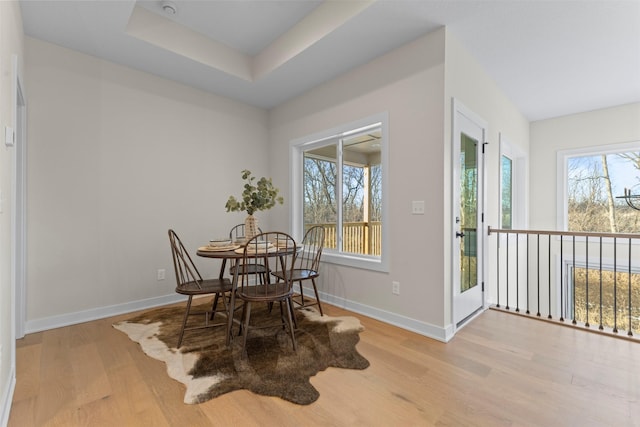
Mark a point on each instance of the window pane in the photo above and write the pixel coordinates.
(595, 186)
(593, 288)
(375, 220)
(361, 193)
(468, 212)
(507, 196)
(320, 205)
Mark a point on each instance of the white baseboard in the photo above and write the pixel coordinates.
(45, 323)
(417, 326)
(7, 398)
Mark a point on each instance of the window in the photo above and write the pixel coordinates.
(507, 193)
(513, 186)
(341, 187)
(593, 183)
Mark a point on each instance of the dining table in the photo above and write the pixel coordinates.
(233, 253)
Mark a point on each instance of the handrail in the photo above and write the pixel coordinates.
(565, 233)
(588, 280)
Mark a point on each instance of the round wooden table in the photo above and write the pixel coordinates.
(233, 255)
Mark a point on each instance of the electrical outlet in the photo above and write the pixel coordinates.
(395, 288)
(161, 274)
(417, 207)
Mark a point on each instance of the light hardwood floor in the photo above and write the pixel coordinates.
(500, 370)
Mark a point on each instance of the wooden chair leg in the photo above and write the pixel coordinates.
(246, 329)
(282, 318)
(293, 313)
(313, 281)
(242, 318)
(184, 321)
(214, 306)
(301, 293)
(293, 337)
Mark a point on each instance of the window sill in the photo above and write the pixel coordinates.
(357, 261)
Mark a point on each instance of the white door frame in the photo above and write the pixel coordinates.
(18, 205)
(476, 297)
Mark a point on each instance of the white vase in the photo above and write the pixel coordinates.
(250, 227)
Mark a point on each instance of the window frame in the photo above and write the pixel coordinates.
(519, 187)
(562, 157)
(296, 167)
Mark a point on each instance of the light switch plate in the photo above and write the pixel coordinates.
(9, 136)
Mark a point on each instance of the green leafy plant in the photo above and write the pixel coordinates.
(258, 196)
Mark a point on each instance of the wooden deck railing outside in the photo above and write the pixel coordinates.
(357, 237)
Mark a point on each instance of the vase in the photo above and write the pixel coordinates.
(250, 227)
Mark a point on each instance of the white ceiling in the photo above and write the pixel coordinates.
(551, 58)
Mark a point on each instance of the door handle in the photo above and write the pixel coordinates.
(459, 234)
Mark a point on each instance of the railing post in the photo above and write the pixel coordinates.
(630, 329)
(615, 286)
(507, 272)
(561, 280)
(600, 326)
(549, 278)
(498, 270)
(517, 273)
(538, 275)
(586, 283)
(528, 312)
(573, 281)
(367, 244)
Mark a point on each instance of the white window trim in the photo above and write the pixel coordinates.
(621, 266)
(519, 187)
(561, 170)
(296, 152)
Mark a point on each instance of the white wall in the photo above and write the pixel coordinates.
(608, 126)
(116, 157)
(408, 83)
(469, 83)
(11, 43)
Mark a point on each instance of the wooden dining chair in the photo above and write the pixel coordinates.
(277, 252)
(189, 282)
(237, 234)
(307, 265)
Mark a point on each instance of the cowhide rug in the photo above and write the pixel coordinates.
(208, 368)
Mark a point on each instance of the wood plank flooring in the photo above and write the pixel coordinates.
(500, 370)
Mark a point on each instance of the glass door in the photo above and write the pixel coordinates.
(467, 208)
(468, 225)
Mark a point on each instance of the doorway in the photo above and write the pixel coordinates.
(468, 144)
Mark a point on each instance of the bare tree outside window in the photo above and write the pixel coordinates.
(594, 184)
(319, 191)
